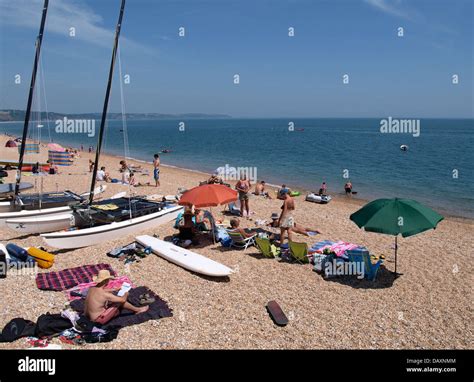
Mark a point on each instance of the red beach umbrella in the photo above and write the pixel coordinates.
(208, 195)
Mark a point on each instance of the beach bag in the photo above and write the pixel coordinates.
(221, 234)
(49, 324)
(319, 261)
(44, 259)
(226, 242)
(17, 328)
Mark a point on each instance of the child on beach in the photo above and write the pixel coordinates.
(282, 191)
(91, 165)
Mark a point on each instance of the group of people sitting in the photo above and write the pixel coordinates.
(192, 221)
(128, 175)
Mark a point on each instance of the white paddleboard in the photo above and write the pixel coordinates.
(184, 258)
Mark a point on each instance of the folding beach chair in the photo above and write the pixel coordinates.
(363, 256)
(299, 252)
(239, 241)
(265, 247)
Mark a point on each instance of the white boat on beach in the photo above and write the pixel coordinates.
(43, 224)
(22, 210)
(100, 233)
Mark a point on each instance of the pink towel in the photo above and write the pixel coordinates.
(115, 283)
(338, 248)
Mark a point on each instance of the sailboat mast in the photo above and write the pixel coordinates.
(39, 40)
(106, 102)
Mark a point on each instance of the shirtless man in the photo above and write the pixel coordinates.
(243, 187)
(102, 305)
(286, 222)
(156, 169)
(260, 190)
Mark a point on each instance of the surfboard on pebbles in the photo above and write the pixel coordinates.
(184, 258)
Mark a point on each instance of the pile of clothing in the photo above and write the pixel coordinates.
(130, 253)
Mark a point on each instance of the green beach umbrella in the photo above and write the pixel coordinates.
(395, 217)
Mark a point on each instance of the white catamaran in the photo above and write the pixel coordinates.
(15, 205)
(97, 222)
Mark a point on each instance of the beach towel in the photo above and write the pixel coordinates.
(158, 309)
(83, 287)
(68, 278)
(339, 248)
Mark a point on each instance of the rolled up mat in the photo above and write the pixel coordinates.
(18, 254)
(44, 259)
(15, 251)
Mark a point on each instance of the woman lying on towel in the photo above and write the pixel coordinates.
(102, 305)
(298, 228)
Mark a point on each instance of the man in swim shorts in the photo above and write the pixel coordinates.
(156, 169)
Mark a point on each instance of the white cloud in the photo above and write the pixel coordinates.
(62, 15)
(390, 7)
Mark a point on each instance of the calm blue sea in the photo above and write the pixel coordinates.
(303, 159)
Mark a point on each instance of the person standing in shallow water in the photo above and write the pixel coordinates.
(348, 188)
(156, 169)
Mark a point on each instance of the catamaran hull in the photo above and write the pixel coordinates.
(28, 214)
(86, 237)
(5, 206)
(32, 213)
(43, 224)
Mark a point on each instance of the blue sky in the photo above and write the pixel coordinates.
(280, 76)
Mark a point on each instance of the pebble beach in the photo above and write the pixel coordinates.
(428, 307)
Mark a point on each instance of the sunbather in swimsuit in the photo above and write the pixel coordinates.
(286, 221)
(102, 305)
